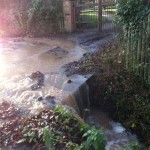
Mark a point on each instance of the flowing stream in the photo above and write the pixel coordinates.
(116, 135)
(31, 79)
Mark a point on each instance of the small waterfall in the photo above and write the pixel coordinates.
(82, 99)
(21, 58)
(54, 89)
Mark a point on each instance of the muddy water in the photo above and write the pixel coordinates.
(24, 56)
(19, 58)
(116, 135)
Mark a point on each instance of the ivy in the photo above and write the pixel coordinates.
(131, 14)
(134, 16)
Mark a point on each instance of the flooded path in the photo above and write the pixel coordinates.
(24, 56)
(32, 78)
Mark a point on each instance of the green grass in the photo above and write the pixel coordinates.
(91, 17)
(91, 14)
(110, 11)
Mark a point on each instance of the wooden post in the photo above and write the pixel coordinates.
(73, 15)
(68, 15)
(100, 15)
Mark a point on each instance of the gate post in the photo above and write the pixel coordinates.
(100, 15)
(69, 20)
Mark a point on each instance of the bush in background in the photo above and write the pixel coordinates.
(36, 17)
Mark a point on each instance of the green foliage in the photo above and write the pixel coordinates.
(35, 17)
(132, 14)
(95, 139)
(134, 17)
(123, 94)
(47, 14)
(148, 148)
(28, 136)
(132, 103)
(132, 146)
(63, 112)
(56, 129)
(68, 116)
(48, 137)
(31, 137)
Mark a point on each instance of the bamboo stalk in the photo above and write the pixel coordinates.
(130, 51)
(138, 53)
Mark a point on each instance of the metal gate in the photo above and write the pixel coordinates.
(94, 14)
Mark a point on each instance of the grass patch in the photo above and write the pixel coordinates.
(91, 17)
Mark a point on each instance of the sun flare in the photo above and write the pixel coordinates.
(3, 64)
(2, 33)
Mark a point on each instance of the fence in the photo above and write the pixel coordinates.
(138, 52)
(108, 13)
(94, 14)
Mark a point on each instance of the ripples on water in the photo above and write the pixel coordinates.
(21, 57)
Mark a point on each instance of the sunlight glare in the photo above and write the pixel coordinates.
(3, 64)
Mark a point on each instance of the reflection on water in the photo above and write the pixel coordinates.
(24, 56)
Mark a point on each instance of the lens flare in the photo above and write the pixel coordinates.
(3, 64)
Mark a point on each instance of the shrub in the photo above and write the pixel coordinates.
(36, 17)
(56, 129)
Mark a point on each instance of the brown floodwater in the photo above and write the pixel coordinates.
(117, 137)
(24, 56)
(20, 57)
(20, 94)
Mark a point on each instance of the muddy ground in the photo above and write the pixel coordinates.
(93, 43)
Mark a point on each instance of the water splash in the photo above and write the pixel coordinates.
(20, 57)
(116, 135)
